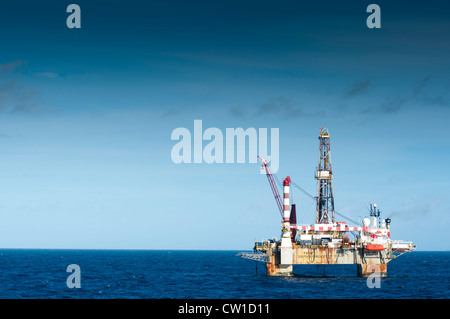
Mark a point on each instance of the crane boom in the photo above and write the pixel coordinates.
(273, 186)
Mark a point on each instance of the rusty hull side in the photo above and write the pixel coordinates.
(366, 270)
(325, 255)
(367, 262)
(273, 263)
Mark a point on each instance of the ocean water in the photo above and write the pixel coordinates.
(143, 274)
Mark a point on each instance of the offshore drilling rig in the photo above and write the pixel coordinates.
(369, 246)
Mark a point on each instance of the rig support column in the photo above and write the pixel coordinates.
(286, 240)
(274, 265)
(280, 263)
(365, 270)
(372, 262)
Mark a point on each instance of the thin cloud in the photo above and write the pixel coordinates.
(238, 111)
(358, 88)
(15, 97)
(19, 99)
(392, 105)
(281, 106)
(170, 113)
(422, 83)
(439, 100)
(421, 95)
(49, 75)
(11, 66)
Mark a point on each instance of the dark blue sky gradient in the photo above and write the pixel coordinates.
(86, 117)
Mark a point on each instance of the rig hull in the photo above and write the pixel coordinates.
(368, 262)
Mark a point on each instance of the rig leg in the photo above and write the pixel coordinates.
(279, 270)
(365, 270)
(274, 268)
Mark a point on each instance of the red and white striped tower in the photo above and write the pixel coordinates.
(287, 210)
(286, 241)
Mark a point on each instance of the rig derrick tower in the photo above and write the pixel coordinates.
(324, 176)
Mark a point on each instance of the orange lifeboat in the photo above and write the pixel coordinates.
(372, 247)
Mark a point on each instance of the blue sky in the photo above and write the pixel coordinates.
(86, 117)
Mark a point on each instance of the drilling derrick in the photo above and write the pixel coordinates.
(324, 176)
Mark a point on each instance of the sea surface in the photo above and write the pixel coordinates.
(177, 274)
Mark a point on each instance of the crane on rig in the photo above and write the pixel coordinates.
(272, 184)
(276, 194)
